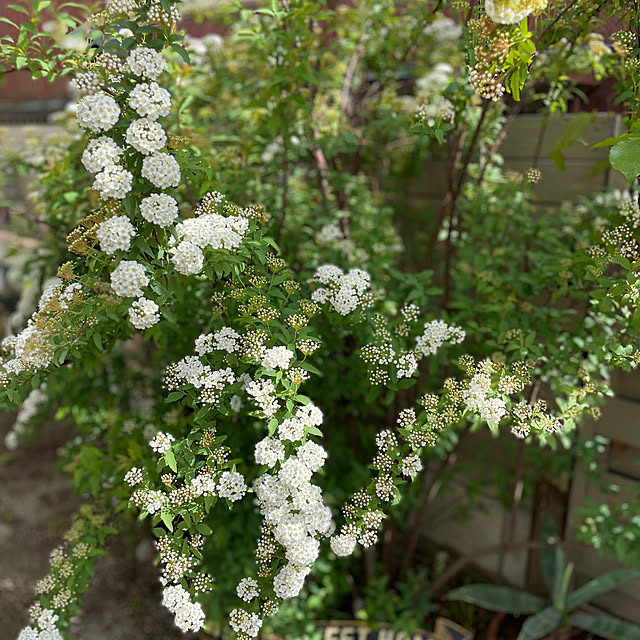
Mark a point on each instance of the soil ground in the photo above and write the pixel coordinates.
(36, 506)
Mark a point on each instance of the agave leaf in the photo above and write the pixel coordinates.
(497, 598)
(540, 625)
(606, 626)
(600, 585)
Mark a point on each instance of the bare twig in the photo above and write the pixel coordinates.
(285, 189)
(430, 487)
(462, 562)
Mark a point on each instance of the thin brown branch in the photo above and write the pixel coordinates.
(463, 561)
(345, 96)
(518, 485)
(285, 190)
(555, 21)
(498, 141)
(430, 487)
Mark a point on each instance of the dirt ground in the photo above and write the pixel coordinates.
(36, 505)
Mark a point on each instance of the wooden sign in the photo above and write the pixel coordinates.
(355, 630)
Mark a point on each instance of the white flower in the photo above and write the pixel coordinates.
(231, 486)
(97, 112)
(115, 233)
(128, 279)
(187, 258)
(244, 623)
(159, 208)
(507, 11)
(143, 313)
(203, 485)
(289, 582)
(312, 455)
(146, 136)
(161, 169)
(436, 333)
(100, 153)
(269, 452)
(113, 182)
(277, 358)
(146, 62)
(248, 589)
(149, 100)
(342, 544)
(162, 443)
(133, 476)
(214, 230)
(291, 429)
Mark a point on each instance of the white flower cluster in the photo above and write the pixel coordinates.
(161, 443)
(511, 11)
(436, 333)
(27, 411)
(146, 62)
(159, 208)
(231, 486)
(248, 589)
(100, 153)
(345, 292)
(264, 395)
(277, 358)
(133, 476)
(406, 365)
(187, 258)
(189, 616)
(115, 234)
(246, 623)
(149, 100)
(113, 181)
(161, 170)
(293, 506)
(128, 279)
(97, 112)
(269, 452)
(225, 339)
(143, 313)
(214, 230)
(212, 382)
(293, 429)
(46, 628)
(146, 135)
(476, 399)
(343, 544)
(203, 485)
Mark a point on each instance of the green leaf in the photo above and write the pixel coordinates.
(540, 625)
(606, 626)
(204, 529)
(183, 53)
(570, 134)
(496, 598)
(170, 459)
(600, 585)
(167, 518)
(625, 157)
(173, 396)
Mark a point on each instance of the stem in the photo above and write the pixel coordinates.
(516, 497)
(285, 188)
(555, 21)
(430, 488)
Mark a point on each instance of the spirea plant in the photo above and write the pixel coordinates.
(251, 358)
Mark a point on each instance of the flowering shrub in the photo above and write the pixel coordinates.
(220, 359)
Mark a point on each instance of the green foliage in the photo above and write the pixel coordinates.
(561, 612)
(324, 115)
